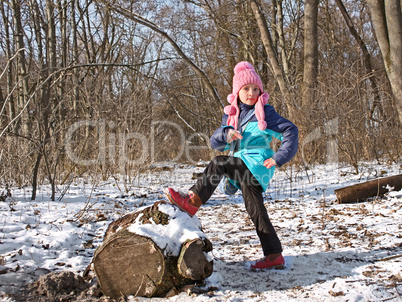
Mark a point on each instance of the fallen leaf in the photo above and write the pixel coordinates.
(336, 294)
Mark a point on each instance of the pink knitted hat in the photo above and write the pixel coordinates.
(244, 73)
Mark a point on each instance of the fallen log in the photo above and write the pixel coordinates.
(372, 188)
(152, 251)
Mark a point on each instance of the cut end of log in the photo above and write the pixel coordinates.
(138, 271)
(193, 263)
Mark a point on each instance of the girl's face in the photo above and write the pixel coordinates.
(249, 94)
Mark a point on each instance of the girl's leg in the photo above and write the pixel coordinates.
(255, 207)
(203, 188)
(220, 166)
(236, 169)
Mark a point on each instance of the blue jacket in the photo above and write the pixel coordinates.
(254, 147)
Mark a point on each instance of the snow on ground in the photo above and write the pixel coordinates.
(333, 252)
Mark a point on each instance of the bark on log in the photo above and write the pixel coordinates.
(372, 188)
(130, 263)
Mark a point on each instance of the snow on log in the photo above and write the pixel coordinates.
(151, 251)
(372, 188)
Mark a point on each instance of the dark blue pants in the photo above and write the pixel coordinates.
(234, 168)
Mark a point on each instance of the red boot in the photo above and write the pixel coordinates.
(188, 203)
(278, 263)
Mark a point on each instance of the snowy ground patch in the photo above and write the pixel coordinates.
(333, 252)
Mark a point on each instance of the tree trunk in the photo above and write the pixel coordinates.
(281, 38)
(387, 21)
(276, 67)
(132, 263)
(373, 188)
(310, 54)
(35, 175)
(366, 59)
(76, 80)
(7, 41)
(22, 71)
(51, 36)
(62, 111)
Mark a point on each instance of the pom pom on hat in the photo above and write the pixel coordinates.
(231, 97)
(243, 66)
(229, 110)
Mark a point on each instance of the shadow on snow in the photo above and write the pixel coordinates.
(301, 270)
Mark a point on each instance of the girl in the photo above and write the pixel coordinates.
(252, 165)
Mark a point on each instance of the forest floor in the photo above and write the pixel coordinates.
(333, 252)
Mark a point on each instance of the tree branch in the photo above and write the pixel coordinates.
(156, 28)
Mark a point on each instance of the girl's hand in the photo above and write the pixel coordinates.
(233, 135)
(269, 163)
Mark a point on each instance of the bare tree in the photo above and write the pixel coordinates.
(310, 54)
(22, 69)
(366, 60)
(276, 67)
(387, 21)
(156, 28)
(104, 67)
(7, 41)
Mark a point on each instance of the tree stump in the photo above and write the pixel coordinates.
(151, 251)
(372, 188)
